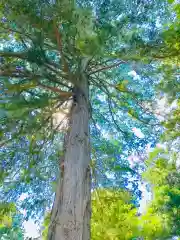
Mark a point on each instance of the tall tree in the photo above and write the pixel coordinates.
(113, 215)
(60, 54)
(161, 220)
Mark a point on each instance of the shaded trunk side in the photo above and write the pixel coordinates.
(71, 211)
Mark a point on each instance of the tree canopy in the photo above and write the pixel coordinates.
(129, 52)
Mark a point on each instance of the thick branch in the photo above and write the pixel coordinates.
(55, 70)
(28, 76)
(16, 74)
(60, 47)
(21, 55)
(3, 143)
(55, 80)
(107, 67)
(8, 29)
(175, 54)
(56, 90)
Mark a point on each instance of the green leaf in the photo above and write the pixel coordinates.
(123, 169)
(171, 1)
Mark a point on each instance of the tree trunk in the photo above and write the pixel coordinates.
(71, 212)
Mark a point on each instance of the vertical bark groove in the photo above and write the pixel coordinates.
(71, 212)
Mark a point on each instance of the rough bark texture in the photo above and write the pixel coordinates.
(71, 211)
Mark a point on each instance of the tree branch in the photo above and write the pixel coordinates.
(112, 116)
(56, 90)
(55, 70)
(107, 67)
(59, 43)
(17, 74)
(17, 31)
(24, 73)
(3, 143)
(176, 54)
(28, 76)
(21, 55)
(55, 80)
(115, 87)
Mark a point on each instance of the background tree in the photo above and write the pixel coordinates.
(10, 222)
(163, 211)
(113, 215)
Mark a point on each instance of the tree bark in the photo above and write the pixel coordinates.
(71, 212)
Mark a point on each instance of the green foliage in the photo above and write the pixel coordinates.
(172, 129)
(46, 223)
(10, 222)
(113, 215)
(154, 226)
(43, 46)
(164, 177)
(6, 211)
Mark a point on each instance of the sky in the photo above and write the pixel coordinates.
(31, 229)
